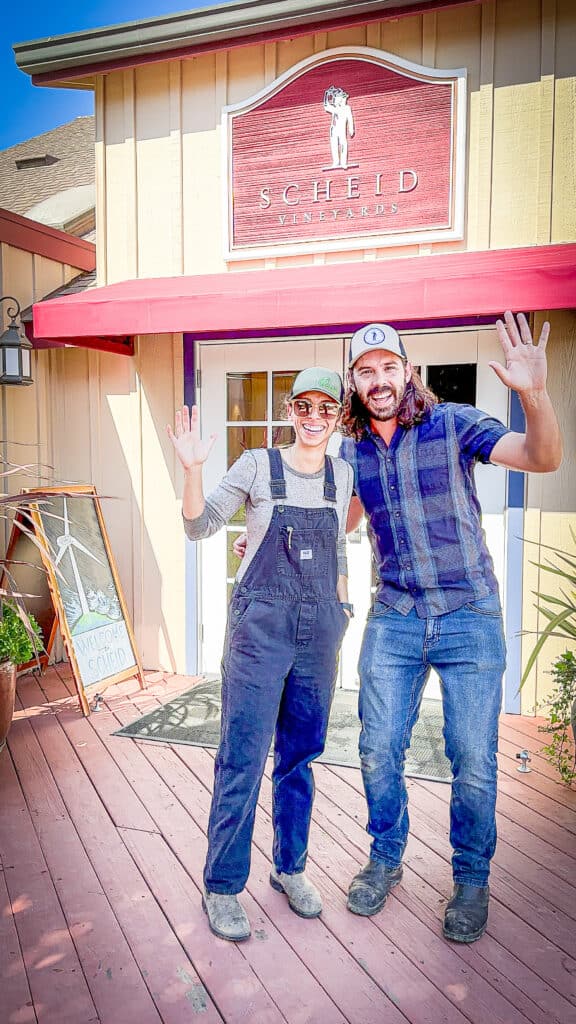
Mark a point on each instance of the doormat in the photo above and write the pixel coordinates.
(194, 718)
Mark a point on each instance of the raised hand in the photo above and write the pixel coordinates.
(525, 368)
(189, 447)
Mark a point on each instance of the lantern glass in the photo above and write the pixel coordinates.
(11, 362)
(26, 362)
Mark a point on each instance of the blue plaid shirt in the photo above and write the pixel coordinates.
(423, 511)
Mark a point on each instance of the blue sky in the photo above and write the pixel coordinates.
(28, 110)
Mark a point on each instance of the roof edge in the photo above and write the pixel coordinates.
(32, 236)
(202, 28)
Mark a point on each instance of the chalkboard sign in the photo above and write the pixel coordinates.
(83, 585)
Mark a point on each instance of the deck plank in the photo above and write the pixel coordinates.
(387, 966)
(551, 789)
(350, 989)
(131, 817)
(424, 889)
(223, 966)
(200, 764)
(295, 989)
(111, 971)
(17, 1004)
(169, 974)
(433, 850)
(55, 977)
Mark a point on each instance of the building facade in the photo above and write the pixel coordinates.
(268, 177)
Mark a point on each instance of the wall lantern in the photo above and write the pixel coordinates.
(15, 349)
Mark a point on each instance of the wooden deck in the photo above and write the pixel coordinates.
(102, 843)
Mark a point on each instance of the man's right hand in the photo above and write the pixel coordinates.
(239, 545)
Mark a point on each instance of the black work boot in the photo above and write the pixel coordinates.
(369, 889)
(466, 914)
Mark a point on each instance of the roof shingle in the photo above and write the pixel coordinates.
(72, 146)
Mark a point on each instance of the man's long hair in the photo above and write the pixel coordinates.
(417, 402)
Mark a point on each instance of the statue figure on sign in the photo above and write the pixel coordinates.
(341, 124)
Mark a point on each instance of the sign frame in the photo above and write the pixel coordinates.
(31, 512)
(456, 77)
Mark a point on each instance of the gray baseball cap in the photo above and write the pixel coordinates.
(373, 337)
(318, 378)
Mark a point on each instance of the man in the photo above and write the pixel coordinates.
(437, 603)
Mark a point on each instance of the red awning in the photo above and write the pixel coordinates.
(422, 287)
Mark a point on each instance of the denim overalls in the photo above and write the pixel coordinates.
(285, 626)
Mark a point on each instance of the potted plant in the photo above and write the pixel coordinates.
(20, 641)
(560, 613)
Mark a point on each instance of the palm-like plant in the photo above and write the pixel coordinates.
(560, 613)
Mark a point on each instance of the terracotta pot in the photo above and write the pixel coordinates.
(7, 695)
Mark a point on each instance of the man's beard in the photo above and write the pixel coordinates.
(387, 412)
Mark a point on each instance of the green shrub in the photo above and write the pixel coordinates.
(561, 709)
(19, 640)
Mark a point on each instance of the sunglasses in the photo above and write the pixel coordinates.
(327, 410)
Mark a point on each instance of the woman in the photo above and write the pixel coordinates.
(286, 620)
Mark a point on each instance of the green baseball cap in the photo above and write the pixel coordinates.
(318, 378)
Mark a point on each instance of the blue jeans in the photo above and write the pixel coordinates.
(466, 647)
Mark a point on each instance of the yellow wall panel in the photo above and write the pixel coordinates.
(120, 130)
(346, 37)
(48, 276)
(556, 492)
(158, 188)
(515, 168)
(530, 617)
(163, 597)
(291, 51)
(17, 278)
(403, 37)
(245, 72)
(554, 531)
(458, 40)
(563, 206)
(203, 93)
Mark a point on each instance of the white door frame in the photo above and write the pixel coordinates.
(425, 348)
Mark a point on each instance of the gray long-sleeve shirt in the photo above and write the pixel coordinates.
(248, 482)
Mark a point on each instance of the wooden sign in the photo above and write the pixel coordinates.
(350, 148)
(78, 589)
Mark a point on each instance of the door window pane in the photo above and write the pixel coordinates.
(246, 396)
(282, 436)
(240, 439)
(455, 382)
(281, 388)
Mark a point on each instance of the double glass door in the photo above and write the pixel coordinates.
(244, 386)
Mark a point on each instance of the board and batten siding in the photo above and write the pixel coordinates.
(25, 411)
